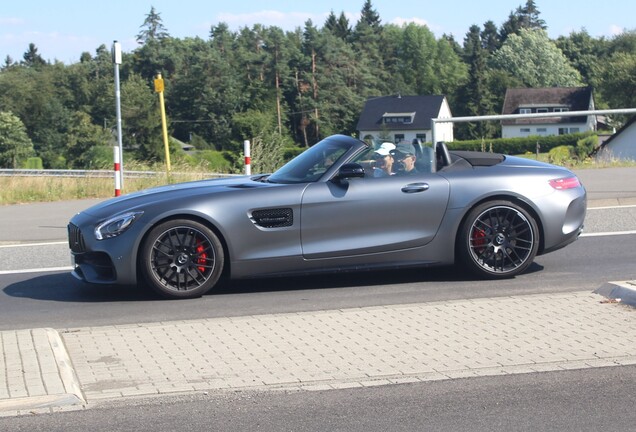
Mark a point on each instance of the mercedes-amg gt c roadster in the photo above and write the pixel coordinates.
(328, 210)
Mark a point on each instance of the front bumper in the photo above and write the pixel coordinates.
(100, 262)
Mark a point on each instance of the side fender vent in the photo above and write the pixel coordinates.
(273, 218)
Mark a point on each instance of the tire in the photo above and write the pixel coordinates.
(498, 240)
(181, 259)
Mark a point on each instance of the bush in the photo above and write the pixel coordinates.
(34, 163)
(560, 155)
(515, 146)
(218, 161)
(585, 146)
(99, 157)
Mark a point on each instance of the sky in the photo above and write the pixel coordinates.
(63, 29)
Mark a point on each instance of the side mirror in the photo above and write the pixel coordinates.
(350, 170)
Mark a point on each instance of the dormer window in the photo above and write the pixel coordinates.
(542, 110)
(398, 118)
(525, 110)
(561, 109)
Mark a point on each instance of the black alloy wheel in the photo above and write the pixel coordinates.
(499, 239)
(181, 259)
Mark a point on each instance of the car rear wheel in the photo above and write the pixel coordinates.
(499, 239)
(181, 259)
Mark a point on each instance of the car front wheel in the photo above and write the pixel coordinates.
(499, 239)
(181, 259)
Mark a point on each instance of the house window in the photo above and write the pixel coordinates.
(525, 110)
(399, 138)
(398, 118)
(563, 131)
(561, 109)
(421, 137)
(542, 110)
(525, 130)
(542, 130)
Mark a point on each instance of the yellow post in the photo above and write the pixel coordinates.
(164, 126)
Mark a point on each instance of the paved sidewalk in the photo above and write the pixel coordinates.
(343, 348)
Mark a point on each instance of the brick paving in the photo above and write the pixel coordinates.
(327, 349)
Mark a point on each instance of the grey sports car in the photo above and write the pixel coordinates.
(327, 210)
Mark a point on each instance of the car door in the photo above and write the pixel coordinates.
(371, 215)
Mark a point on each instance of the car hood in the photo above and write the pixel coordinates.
(174, 193)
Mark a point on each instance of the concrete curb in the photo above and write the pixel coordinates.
(622, 291)
(53, 366)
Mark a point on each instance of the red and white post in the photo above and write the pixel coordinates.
(117, 172)
(248, 159)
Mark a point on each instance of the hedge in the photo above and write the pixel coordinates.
(514, 146)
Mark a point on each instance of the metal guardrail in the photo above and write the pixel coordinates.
(5, 172)
(71, 173)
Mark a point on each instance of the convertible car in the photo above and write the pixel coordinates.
(326, 211)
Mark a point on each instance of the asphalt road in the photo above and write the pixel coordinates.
(568, 401)
(34, 238)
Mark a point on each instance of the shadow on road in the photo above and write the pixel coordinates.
(62, 287)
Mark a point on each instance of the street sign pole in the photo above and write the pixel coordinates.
(159, 87)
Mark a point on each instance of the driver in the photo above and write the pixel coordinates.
(405, 158)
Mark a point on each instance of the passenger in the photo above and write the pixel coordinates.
(405, 158)
(383, 160)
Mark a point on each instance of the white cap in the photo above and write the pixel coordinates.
(385, 149)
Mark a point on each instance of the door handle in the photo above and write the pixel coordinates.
(415, 187)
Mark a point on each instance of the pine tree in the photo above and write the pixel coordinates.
(152, 30)
(32, 58)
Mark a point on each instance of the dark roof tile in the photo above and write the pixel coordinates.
(424, 107)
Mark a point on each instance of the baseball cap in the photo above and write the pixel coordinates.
(404, 149)
(385, 149)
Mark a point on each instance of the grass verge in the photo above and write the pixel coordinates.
(20, 190)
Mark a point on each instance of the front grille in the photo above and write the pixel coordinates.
(75, 239)
(273, 218)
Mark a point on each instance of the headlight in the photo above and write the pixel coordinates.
(116, 225)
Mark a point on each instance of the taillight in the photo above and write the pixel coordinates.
(565, 183)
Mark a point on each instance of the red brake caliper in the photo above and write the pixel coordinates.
(202, 256)
(479, 239)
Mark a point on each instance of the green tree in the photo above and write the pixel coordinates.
(82, 136)
(32, 58)
(524, 17)
(584, 52)
(535, 60)
(15, 144)
(617, 81)
(222, 38)
(204, 96)
(141, 122)
(474, 97)
(152, 30)
(490, 37)
(267, 144)
(338, 26)
(417, 55)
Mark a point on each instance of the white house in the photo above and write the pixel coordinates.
(547, 100)
(404, 118)
(621, 145)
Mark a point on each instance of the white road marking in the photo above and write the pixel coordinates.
(614, 233)
(612, 207)
(33, 244)
(39, 270)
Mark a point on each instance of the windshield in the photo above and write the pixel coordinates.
(311, 164)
